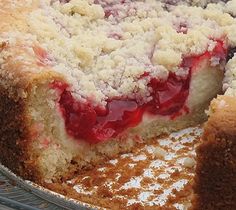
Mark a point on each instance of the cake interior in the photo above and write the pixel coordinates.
(57, 152)
(119, 84)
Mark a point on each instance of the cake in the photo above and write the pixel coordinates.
(215, 178)
(83, 81)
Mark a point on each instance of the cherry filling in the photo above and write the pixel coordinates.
(95, 124)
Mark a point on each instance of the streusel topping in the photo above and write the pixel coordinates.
(103, 48)
(230, 77)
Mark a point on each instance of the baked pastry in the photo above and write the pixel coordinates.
(215, 178)
(83, 81)
(216, 158)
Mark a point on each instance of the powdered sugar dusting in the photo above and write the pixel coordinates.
(142, 179)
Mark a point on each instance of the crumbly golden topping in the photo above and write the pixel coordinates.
(230, 77)
(104, 47)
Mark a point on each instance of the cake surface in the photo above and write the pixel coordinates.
(83, 81)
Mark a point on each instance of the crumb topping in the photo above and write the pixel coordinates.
(104, 47)
(230, 77)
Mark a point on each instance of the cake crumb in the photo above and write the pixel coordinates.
(159, 152)
(189, 162)
(222, 104)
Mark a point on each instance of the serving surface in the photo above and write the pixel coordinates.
(13, 196)
(154, 176)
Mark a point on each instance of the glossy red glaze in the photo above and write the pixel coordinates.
(94, 124)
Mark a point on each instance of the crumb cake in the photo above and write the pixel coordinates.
(215, 180)
(85, 80)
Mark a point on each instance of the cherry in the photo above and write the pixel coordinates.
(85, 122)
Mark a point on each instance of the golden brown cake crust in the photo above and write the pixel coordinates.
(14, 137)
(20, 66)
(18, 77)
(215, 181)
(14, 88)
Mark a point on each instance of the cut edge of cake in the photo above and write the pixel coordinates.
(33, 134)
(39, 147)
(215, 180)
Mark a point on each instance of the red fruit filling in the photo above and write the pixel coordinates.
(94, 124)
